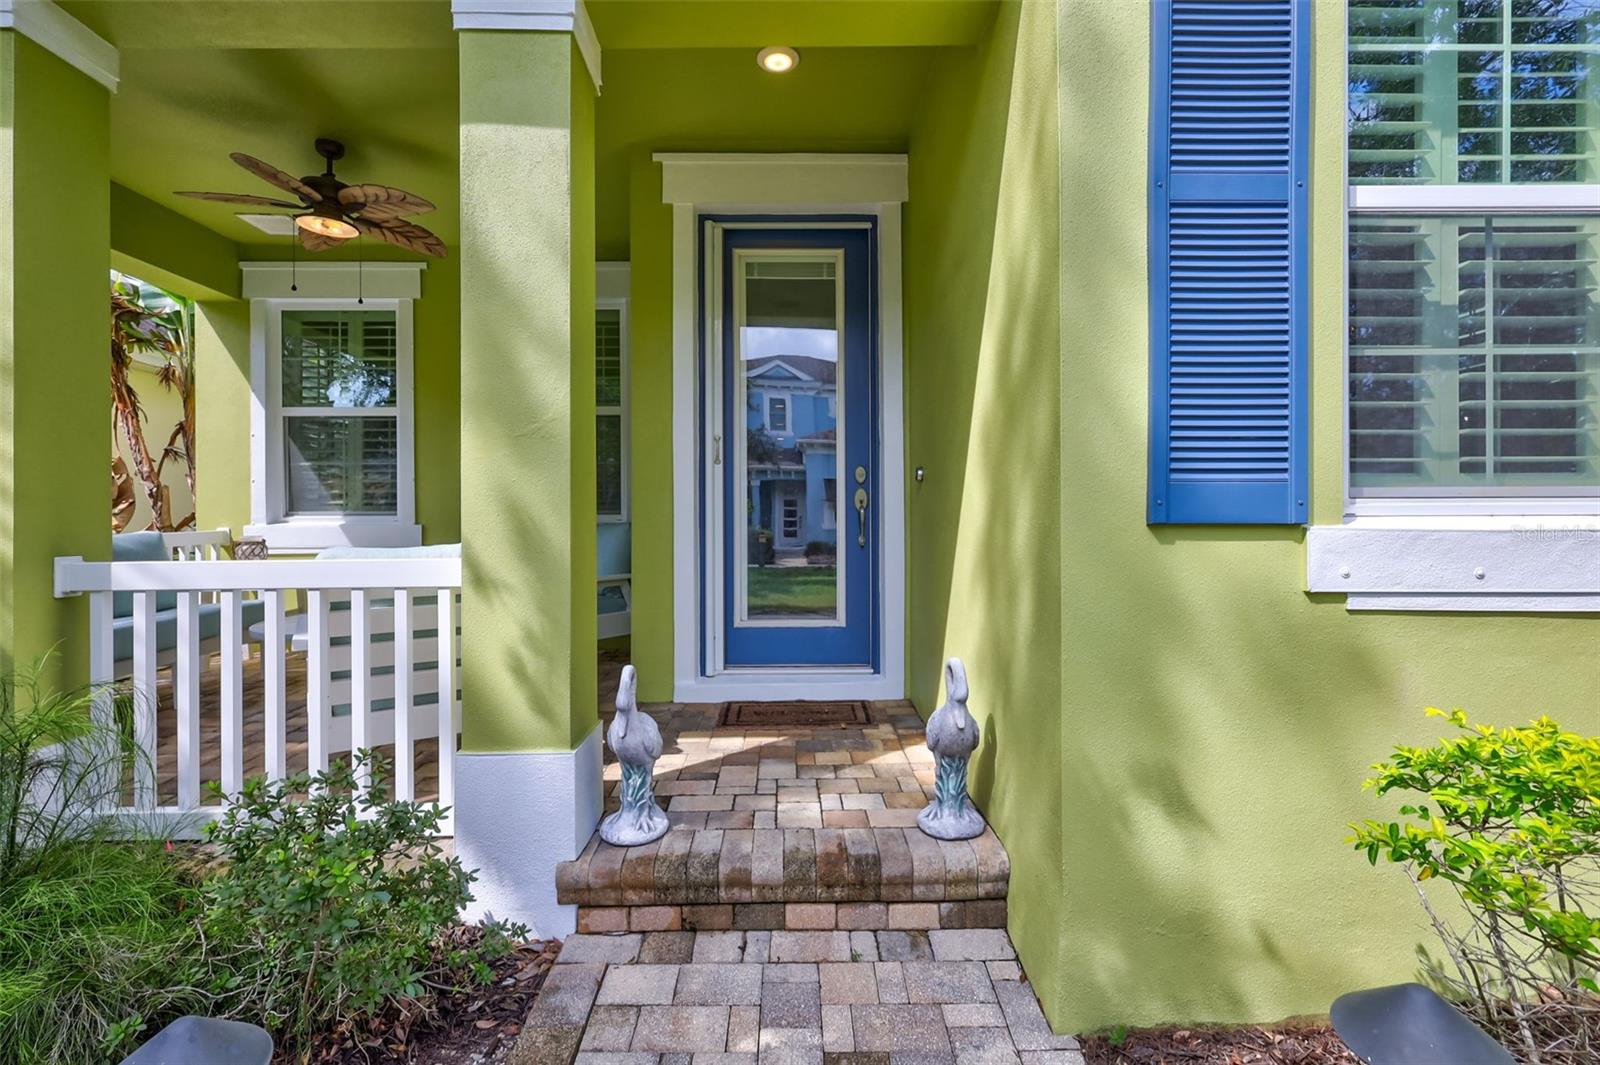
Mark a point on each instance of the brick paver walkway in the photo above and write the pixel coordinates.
(790, 998)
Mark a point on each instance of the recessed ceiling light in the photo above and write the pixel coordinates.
(777, 59)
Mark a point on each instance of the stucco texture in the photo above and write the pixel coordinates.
(527, 392)
(1216, 720)
(982, 343)
(54, 451)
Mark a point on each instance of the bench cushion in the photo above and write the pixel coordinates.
(167, 627)
(139, 547)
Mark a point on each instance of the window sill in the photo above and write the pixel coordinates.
(1535, 564)
(302, 537)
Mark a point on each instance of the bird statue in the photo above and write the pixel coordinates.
(636, 741)
(952, 737)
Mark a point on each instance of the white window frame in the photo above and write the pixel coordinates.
(326, 286)
(1447, 550)
(774, 398)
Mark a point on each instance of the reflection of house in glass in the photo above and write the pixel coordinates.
(791, 419)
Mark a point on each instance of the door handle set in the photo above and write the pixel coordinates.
(861, 500)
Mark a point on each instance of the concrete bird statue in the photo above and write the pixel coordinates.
(952, 737)
(636, 741)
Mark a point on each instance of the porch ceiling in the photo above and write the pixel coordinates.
(799, 23)
(618, 23)
(180, 112)
(202, 78)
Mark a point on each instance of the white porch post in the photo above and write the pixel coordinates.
(528, 783)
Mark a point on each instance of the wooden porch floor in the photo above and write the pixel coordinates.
(426, 750)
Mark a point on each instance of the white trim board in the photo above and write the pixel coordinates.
(611, 280)
(780, 183)
(64, 37)
(1535, 567)
(548, 16)
(517, 817)
(1474, 199)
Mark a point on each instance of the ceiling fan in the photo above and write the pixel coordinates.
(332, 212)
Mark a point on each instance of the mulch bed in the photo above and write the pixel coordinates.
(477, 1027)
(1247, 1045)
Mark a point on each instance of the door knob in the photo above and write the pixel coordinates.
(861, 517)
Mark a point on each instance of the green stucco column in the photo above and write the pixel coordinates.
(55, 389)
(528, 782)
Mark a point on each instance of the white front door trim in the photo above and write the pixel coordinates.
(791, 185)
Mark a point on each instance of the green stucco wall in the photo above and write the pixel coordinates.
(982, 341)
(527, 380)
(650, 428)
(222, 414)
(1216, 721)
(54, 437)
(156, 244)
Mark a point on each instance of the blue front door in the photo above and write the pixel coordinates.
(799, 402)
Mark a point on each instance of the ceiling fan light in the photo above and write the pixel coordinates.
(326, 226)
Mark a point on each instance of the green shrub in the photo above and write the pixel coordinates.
(1510, 820)
(96, 936)
(335, 906)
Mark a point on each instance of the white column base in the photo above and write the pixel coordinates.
(518, 816)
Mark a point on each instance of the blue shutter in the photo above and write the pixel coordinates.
(1228, 268)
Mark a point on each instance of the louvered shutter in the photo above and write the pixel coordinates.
(1228, 228)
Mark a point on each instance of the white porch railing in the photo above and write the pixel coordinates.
(376, 635)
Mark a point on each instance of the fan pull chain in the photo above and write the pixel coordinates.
(360, 258)
(294, 261)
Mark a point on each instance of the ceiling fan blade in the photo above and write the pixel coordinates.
(242, 197)
(317, 242)
(273, 176)
(404, 235)
(381, 201)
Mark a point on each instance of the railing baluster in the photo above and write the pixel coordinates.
(145, 696)
(316, 681)
(102, 673)
(274, 703)
(232, 695)
(405, 758)
(186, 699)
(447, 695)
(360, 682)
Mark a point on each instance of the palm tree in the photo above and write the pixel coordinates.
(147, 321)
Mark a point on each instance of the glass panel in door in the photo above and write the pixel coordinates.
(788, 310)
(799, 548)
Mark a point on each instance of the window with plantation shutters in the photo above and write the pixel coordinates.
(340, 429)
(1473, 91)
(1228, 255)
(1474, 254)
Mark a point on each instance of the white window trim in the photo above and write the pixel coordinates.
(620, 305)
(329, 286)
(1447, 550)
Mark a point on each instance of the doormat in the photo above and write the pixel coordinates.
(798, 714)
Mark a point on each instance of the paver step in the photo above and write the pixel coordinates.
(790, 829)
